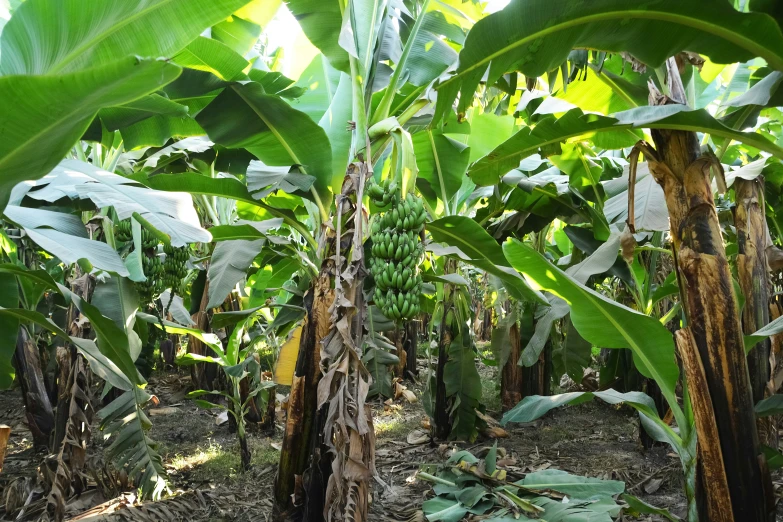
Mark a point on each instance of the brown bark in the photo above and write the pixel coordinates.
(713, 317)
(711, 478)
(536, 378)
(38, 408)
(5, 434)
(754, 281)
(297, 440)
(511, 378)
(72, 453)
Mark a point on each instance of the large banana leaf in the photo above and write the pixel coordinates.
(63, 236)
(575, 123)
(322, 21)
(442, 163)
(244, 116)
(536, 36)
(57, 36)
(124, 419)
(535, 406)
(44, 116)
(138, 110)
(226, 187)
(471, 243)
(603, 322)
(119, 346)
(213, 56)
(170, 212)
(230, 261)
(650, 211)
(576, 487)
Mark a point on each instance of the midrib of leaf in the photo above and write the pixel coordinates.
(460, 240)
(144, 440)
(637, 350)
(772, 58)
(287, 148)
(440, 171)
(751, 139)
(106, 33)
(616, 88)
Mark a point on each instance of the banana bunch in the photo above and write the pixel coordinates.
(397, 251)
(153, 269)
(123, 231)
(174, 268)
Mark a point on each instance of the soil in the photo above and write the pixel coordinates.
(202, 458)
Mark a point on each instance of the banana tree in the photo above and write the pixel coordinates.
(711, 345)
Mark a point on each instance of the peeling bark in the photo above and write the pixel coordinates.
(5, 434)
(713, 319)
(302, 401)
(754, 281)
(711, 481)
(38, 408)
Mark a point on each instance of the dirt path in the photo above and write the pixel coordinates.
(202, 457)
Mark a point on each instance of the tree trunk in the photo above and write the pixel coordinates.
(411, 348)
(268, 422)
(38, 408)
(302, 400)
(511, 376)
(442, 419)
(202, 375)
(536, 379)
(754, 281)
(486, 328)
(713, 329)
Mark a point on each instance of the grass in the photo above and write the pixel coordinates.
(394, 425)
(490, 392)
(217, 462)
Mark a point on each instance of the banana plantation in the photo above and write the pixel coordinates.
(391, 260)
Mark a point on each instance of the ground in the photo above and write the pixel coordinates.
(202, 457)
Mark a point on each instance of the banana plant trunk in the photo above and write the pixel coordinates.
(719, 372)
(754, 281)
(38, 407)
(511, 378)
(302, 401)
(441, 417)
(411, 345)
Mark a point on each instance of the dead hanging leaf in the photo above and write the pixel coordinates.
(417, 437)
(69, 476)
(286, 360)
(627, 245)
